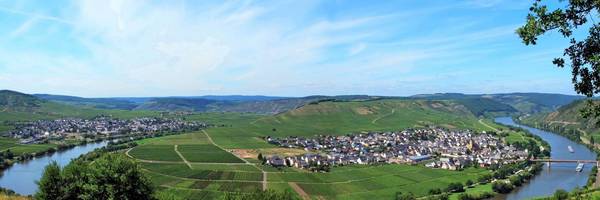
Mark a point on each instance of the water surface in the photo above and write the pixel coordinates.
(21, 177)
(559, 175)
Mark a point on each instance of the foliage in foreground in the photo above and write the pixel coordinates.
(111, 176)
(582, 54)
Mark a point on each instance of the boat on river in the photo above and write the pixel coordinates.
(571, 149)
(579, 167)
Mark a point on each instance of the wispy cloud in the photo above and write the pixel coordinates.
(147, 48)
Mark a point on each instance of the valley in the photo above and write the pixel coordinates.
(224, 157)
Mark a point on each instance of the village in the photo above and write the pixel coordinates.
(37, 131)
(454, 150)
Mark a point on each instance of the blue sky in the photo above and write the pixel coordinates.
(285, 48)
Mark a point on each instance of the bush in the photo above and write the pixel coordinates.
(455, 187)
(561, 194)
(111, 176)
(435, 191)
(502, 187)
(405, 196)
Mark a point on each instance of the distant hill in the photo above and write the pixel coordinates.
(567, 121)
(179, 104)
(521, 102)
(269, 105)
(16, 106)
(535, 102)
(102, 103)
(16, 101)
(478, 104)
(331, 117)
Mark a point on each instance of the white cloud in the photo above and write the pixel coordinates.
(149, 48)
(24, 27)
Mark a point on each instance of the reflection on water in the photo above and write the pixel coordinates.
(559, 175)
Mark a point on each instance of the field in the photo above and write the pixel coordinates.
(202, 165)
(19, 149)
(209, 180)
(208, 171)
(339, 118)
(207, 153)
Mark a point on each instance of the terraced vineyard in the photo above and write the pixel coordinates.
(204, 170)
(209, 178)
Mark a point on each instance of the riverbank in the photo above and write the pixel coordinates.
(561, 176)
(21, 176)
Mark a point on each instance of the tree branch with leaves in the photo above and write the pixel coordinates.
(582, 56)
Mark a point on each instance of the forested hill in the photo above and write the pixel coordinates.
(478, 104)
(16, 101)
(566, 120)
(528, 103)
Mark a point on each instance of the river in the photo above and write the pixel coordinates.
(558, 176)
(21, 177)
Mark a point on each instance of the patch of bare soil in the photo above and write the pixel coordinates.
(245, 153)
(282, 151)
(363, 111)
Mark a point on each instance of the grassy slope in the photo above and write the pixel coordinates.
(335, 118)
(568, 117)
(209, 181)
(51, 110)
(350, 182)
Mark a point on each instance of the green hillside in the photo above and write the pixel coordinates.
(568, 121)
(522, 102)
(245, 133)
(335, 118)
(101, 103)
(15, 101)
(15, 106)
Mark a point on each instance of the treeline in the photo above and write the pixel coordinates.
(570, 133)
(513, 180)
(111, 176)
(531, 144)
(8, 158)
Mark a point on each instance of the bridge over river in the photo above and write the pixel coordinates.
(549, 161)
(564, 161)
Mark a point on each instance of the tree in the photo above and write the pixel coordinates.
(469, 183)
(455, 187)
(465, 196)
(9, 154)
(111, 176)
(502, 187)
(435, 191)
(561, 194)
(583, 55)
(51, 183)
(405, 196)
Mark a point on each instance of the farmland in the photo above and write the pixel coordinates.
(19, 149)
(350, 182)
(339, 118)
(205, 164)
(209, 171)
